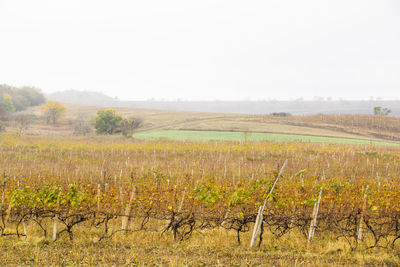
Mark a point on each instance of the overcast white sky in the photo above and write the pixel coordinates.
(205, 49)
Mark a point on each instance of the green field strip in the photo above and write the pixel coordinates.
(189, 135)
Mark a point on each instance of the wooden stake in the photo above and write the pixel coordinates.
(55, 221)
(182, 200)
(98, 197)
(360, 226)
(313, 224)
(225, 217)
(257, 226)
(24, 228)
(126, 217)
(2, 198)
(9, 213)
(259, 218)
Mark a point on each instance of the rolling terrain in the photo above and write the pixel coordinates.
(336, 128)
(109, 200)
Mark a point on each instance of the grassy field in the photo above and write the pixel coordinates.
(212, 248)
(156, 120)
(251, 136)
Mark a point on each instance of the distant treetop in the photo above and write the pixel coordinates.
(19, 98)
(381, 111)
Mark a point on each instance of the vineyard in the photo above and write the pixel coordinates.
(379, 126)
(60, 188)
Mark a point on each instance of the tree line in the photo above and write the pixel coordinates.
(19, 98)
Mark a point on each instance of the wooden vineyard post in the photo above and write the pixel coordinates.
(95, 214)
(127, 214)
(313, 224)
(292, 219)
(182, 200)
(259, 218)
(360, 226)
(225, 217)
(55, 220)
(9, 213)
(3, 189)
(98, 197)
(24, 229)
(257, 226)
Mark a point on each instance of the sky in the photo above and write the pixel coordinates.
(204, 50)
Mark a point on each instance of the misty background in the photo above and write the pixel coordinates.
(206, 50)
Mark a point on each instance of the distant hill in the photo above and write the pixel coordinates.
(298, 107)
(267, 107)
(83, 98)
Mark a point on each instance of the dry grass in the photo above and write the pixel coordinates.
(207, 248)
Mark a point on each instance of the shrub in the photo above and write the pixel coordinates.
(107, 121)
(281, 114)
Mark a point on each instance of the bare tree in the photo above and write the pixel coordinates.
(82, 127)
(129, 125)
(3, 118)
(3, 114)
(22, 122)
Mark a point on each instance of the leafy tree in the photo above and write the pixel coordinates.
(381, 111)
(129, 125)
(53, 111)
(22, 97)
(20, 102)
(8, 103)
(32, 95)
(107, 121)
